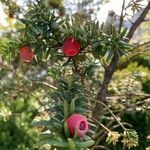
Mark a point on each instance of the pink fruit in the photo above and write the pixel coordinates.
(78, 122)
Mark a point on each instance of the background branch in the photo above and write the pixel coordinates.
(139, 20)
(122, 16)
(124, 64)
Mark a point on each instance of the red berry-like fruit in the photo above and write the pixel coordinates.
(77, 122)
(71, 46)
(26, 54)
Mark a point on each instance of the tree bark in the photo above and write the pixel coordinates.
(103, 92)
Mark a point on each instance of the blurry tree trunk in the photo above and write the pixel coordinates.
(102, 94)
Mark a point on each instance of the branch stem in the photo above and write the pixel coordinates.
(121, 16)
